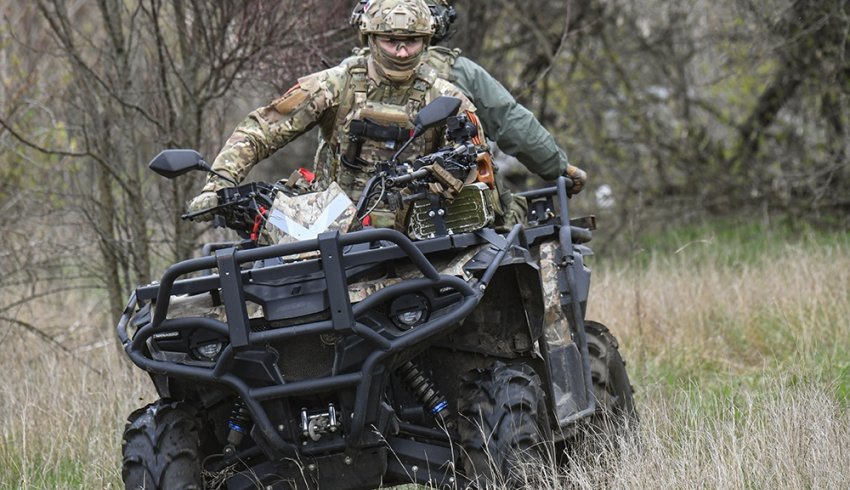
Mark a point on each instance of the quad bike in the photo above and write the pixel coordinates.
(320, 353)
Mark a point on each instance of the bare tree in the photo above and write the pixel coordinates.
(681, 106)
(138, 77)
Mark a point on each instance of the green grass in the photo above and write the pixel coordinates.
(731, 243)
(43, 473)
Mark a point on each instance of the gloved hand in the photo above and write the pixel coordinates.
(204, 200)
(578, 176)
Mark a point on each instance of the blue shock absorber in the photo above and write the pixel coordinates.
(238, 423)
(424, 390)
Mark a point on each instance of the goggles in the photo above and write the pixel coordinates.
(394, 44)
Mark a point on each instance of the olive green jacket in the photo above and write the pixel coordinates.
(513, 127)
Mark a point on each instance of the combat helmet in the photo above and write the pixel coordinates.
(396, 18)
(444, 15)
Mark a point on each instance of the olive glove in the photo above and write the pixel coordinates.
(578, 176)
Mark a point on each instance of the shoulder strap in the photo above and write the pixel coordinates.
(354, 92)
(443, 60)
(425, 78)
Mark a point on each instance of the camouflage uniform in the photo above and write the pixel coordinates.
(326, 99)
(358, 90)
(513, 127)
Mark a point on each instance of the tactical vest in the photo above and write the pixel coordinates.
(365, 131)
(335, 145)
(369, 131)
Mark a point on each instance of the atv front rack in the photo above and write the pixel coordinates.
(334, 261)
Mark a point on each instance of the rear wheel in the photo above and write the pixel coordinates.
(161, 448)
(616, 406)
(502, 424)
(601, 433)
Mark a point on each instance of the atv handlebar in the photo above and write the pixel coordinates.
(240, 207)
(403, 180)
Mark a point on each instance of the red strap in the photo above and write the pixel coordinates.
(367, 220)
(258, 222)
(308, 175)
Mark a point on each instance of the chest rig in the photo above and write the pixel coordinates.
(374, 121)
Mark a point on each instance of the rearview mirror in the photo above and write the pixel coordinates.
(436, 112)
(431, 115)
(173, 163)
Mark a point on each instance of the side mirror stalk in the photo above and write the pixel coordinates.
(430, 116)
(175, 162)
(417, 132)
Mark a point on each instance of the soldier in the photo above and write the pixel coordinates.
(518, 133)
(364, 107)
(513, 127)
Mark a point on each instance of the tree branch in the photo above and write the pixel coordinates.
(50, 340)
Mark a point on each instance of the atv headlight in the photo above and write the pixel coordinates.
(209, 350)
(409, 310)
(411, 318)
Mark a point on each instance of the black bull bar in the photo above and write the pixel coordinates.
(333, 263)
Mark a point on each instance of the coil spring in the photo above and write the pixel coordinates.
(239, 417)
(424, 389)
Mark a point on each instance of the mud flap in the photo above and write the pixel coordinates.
(565, 286)
(566, 381)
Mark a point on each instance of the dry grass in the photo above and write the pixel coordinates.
(741, 363)
(780, 438)
(725, 311)
(62, 421)
(739, 355)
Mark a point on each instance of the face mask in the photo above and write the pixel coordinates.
(391, 66)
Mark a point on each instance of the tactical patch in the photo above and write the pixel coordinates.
(311, 83)
(290, 100)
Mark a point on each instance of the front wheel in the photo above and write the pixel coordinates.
(161, 448)
(502, 424)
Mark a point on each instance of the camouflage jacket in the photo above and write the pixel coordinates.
(329, 99)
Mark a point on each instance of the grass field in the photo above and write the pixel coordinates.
(738, 342)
